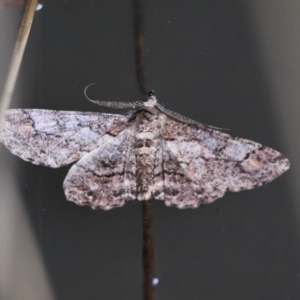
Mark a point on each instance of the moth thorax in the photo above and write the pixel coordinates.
(145, 135)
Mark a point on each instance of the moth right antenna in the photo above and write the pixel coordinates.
(112, 104)
(86, 96)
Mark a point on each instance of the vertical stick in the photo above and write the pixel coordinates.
(17, 56)
(148, 251)
(140, 48)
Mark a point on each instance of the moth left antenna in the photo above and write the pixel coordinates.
(112, 104)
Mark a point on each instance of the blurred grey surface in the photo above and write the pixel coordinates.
(231, 64)
(22, 269)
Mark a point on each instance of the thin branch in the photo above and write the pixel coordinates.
(140, 48)
(148, 251)
(148, 248)
(24, 29)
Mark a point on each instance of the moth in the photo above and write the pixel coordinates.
(151, 152)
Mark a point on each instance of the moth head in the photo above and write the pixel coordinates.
(151, 101)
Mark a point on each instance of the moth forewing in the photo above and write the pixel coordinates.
(151, 152)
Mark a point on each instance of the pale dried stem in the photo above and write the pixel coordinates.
(22, 37)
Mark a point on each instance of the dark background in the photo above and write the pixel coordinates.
(207, 61)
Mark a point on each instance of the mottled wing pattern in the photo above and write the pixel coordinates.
(200, 164)
(171, 183)
(104, 178)
(57, 138)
